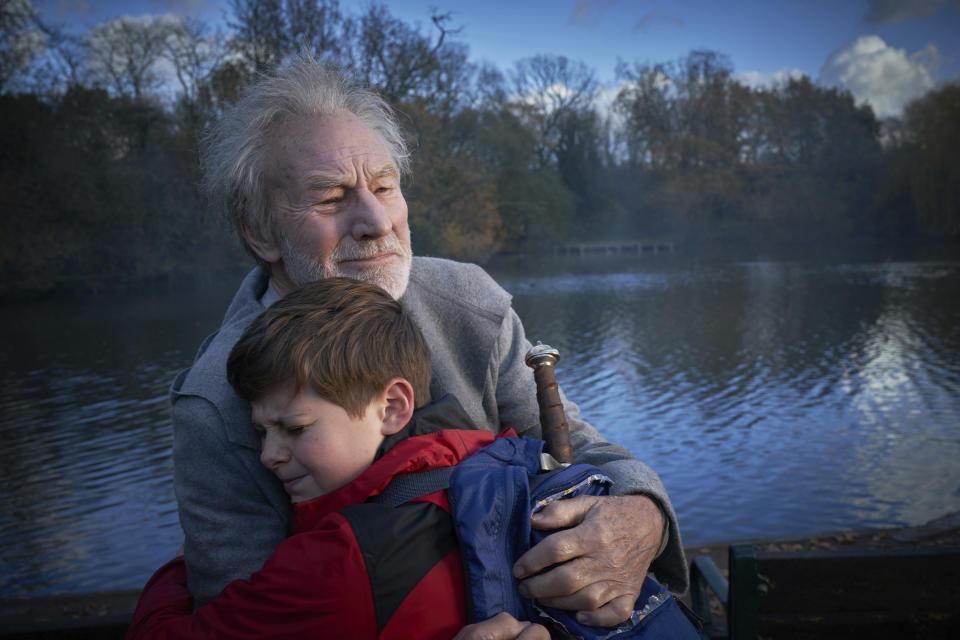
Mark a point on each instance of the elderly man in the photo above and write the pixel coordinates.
(307, 167)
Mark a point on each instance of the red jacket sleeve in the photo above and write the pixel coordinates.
(315, 585)
(164, 597)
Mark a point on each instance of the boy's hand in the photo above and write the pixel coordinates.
(503, 626)
(602, 560)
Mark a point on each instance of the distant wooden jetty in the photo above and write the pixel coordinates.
(615, 247)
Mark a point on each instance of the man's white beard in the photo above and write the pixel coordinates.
(302, 269)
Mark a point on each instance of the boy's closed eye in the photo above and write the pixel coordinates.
(290, 430)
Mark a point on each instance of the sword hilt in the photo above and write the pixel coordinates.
(554, 428)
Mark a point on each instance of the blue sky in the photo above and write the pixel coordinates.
(884, 51)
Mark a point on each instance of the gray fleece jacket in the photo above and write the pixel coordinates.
(234, 511)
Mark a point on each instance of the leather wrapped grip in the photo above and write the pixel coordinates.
(556, 432)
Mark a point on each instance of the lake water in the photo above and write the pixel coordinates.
(773, 398)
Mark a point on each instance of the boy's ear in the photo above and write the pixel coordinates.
(267, 249)
(399, 406)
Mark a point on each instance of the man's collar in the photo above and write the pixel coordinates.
(270, 295)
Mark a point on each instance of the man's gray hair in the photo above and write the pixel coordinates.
(233, 152)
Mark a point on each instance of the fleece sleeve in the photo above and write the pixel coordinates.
(230, 527)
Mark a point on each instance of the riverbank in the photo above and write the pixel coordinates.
(104, 615)
(941, 532)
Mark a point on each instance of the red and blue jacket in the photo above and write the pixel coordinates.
(350, 569)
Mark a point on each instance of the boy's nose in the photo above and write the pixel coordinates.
(272, 452)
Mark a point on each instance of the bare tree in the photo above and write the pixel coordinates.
(125, 53)
(266, 31)
(490, 88)
(193, 51)
(319, 25)
(64, 65)
(647, 107)
(400, 60)
(548, 90)
(20, 42)
(933, 124)
(261, 32)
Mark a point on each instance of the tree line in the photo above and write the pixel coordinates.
(98, 163)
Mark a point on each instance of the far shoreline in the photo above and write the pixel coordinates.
(939, 532)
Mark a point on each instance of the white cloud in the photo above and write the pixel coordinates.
(884, 77)
(604, 97)
(558, 92)
(760, 80)
(179, 6)
(652, 17)
(64, 7)
(589, 12)
(891, 11)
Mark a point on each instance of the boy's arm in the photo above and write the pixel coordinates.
(289, 598)
(230, 526)
(165, 597)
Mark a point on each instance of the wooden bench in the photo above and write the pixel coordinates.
(907, 593)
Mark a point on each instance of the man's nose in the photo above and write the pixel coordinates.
(370, 218)
(273, 452)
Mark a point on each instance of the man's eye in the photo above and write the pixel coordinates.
(328, 196)
(295, 431)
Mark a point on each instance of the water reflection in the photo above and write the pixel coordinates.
(772, 398)
(904, 391)
(87, 498)
(734, 383)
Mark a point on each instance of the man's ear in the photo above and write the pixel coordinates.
(399, 406)
(267, 249)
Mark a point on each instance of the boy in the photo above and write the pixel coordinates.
(333, 373)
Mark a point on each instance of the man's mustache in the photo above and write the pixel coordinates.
(368, 249)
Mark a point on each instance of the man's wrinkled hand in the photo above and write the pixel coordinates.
(503, 626)
(602, 558)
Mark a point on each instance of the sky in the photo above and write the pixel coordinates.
(885, 52)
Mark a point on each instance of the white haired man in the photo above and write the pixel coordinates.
(307, 167)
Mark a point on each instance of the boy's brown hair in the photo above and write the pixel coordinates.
(343, 338)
